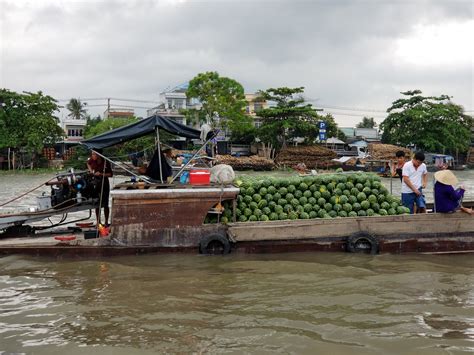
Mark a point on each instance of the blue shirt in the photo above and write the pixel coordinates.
(447, 199)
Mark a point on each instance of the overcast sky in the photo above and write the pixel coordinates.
(349, 55)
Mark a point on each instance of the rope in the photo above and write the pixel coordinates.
(26, 193)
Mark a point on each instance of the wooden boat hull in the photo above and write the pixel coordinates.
(394, 234)
(171, 220)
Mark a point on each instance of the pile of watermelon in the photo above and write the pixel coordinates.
(321, 196)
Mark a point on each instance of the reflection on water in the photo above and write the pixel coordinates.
(279, 303)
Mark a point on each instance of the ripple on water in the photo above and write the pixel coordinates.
(283, 303)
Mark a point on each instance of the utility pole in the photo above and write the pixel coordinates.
(108, 107)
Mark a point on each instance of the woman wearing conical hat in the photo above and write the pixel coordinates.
(448, 199)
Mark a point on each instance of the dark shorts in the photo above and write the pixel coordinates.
(104, 192)
(409, 200)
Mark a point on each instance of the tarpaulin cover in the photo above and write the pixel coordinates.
(140, 129)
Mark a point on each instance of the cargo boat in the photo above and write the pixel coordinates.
(171, 220)
(156, 217)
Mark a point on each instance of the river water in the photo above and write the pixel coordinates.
(301, 303)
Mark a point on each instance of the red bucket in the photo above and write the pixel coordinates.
(199, 177)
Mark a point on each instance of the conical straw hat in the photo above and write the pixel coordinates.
(446, 177)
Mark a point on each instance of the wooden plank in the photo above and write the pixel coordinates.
(422, 224)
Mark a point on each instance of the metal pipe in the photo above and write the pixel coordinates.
(391, 177)
(114, 163)
(159, 152)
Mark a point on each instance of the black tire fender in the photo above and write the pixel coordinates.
(214, 244)
(362, 242)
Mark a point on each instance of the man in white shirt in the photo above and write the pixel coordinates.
(415, 178)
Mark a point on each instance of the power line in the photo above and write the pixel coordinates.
(352, 114)
(111, 98)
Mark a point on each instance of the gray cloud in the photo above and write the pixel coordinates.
(343, 52)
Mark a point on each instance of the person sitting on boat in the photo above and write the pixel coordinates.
(447, 198)
(101, 170)
(398, 167)
(153, 169)
(415, 178)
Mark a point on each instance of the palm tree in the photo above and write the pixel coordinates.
(77, 109)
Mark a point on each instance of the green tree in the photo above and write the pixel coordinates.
(28, 121)
(76, 109)
(291, 117)
(431, 123)
(367, 122)
(222, 99)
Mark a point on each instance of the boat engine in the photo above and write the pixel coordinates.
(72, 188)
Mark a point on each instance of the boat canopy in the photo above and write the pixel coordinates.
(140, 129)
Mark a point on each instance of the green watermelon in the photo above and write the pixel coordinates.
(342, 213)
(337, 207)
(372, 198)
(293, 215)
(361, 196)
(273, 216)
(304, 215)
(242, 218)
